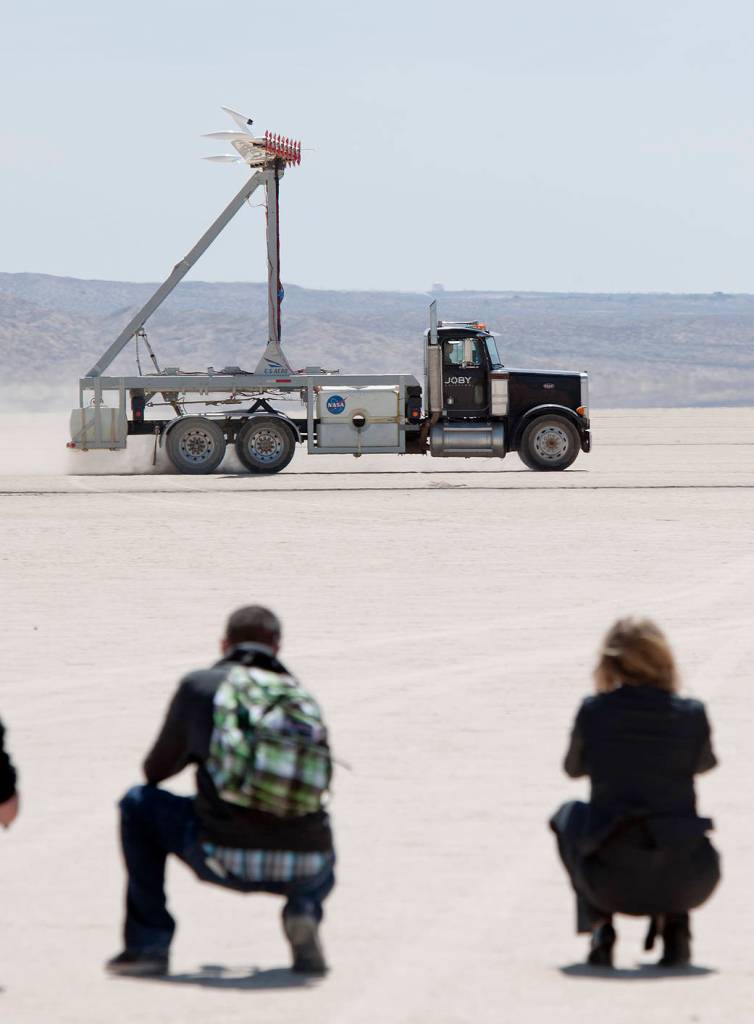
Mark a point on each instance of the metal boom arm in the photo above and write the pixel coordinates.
(178, 273)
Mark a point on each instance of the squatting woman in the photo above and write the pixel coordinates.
(638, 847)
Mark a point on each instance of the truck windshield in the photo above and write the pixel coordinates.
(492, 352)
(463, 352)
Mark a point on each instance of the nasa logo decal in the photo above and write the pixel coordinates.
(336, 404)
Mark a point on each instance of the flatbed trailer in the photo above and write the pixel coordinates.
(469, 404)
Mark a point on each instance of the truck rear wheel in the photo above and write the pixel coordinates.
(549, 443)
(265, 444)
(195, 445)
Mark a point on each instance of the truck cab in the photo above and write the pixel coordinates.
(467, 361)
(477, 407)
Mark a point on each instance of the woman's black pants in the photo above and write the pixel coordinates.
(626, 871)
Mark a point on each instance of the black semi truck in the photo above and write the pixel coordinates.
(476, 406)
(470, 405)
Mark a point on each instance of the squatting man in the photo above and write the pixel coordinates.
(257, 822)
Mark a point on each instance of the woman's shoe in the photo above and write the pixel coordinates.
(601, 946)
(676, 940)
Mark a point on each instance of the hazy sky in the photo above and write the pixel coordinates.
(537, 144)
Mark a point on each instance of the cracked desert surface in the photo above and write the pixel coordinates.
(447, 614)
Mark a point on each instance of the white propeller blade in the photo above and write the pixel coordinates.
(241, 120)
(224, 158)
(227, 136)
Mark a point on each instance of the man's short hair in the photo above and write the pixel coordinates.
(253, 624)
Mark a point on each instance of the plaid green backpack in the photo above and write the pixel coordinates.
(268, 750)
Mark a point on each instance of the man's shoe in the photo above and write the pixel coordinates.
(135, 964)
(601, 946)
(676, 939)
(303, 937)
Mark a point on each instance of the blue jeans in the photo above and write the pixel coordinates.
(154, 823)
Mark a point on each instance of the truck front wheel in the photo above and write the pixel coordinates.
(265, 444)
(549, 442)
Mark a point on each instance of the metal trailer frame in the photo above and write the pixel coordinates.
(273, 373)
(307, 385)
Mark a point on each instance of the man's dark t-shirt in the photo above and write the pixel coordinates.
(185, 739)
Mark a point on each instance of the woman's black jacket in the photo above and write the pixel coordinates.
(641, 748)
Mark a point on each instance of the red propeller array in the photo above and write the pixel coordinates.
(287, 149)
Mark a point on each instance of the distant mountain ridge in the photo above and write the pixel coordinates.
(640, 350)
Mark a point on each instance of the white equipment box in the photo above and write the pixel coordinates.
(359, 419)
(111, 431)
